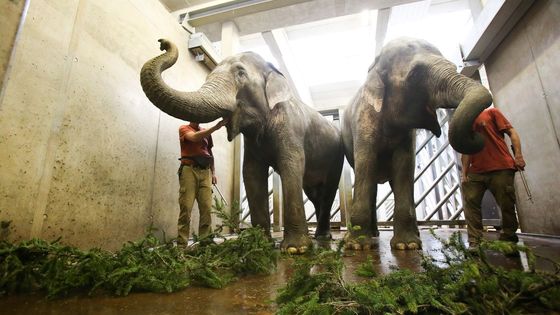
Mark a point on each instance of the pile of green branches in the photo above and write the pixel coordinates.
(145, 265)
(463, 282)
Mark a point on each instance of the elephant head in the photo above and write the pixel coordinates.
(449, 89)
(415, 79)
(243, 88)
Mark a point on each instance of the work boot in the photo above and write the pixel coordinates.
(511, 251)
(179, 241)
(513, 254)
(473, 248)
(509, 238)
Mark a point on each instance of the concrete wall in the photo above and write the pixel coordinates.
(523, 75)
(83, 154)
(9, 25)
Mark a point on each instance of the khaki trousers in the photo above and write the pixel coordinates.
(500, 184)
(195, 183)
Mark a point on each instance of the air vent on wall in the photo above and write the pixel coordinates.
(201, 47)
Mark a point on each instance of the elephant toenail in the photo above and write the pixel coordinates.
(291, 250)
(412, 245)
(400, 246)
(302, 249)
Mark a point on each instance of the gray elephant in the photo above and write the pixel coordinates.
(279, 131)
(407, 82)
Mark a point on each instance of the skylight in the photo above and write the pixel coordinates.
(330, 58)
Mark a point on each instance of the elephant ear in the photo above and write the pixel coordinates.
(373, 90)
(277, 89)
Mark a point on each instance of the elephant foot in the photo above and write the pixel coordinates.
(358, 240)
(410, 242)
(323, 240)
(323, 237)
(296, 245)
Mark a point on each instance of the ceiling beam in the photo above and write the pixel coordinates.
(257, 18)
(495, 21)
(224, 10)
(277, 41)
(383, 16)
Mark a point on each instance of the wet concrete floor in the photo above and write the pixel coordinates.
(254, 294)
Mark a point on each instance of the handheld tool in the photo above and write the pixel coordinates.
(221, 195)
(524, 180)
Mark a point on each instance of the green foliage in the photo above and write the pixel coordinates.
(145, 265)
(230, 219)
(37, 264)
(251, 252)
(366, 269)
(463, 282)
(317, 278)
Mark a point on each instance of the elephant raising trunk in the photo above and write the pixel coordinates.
(213, 100)
(279, 131)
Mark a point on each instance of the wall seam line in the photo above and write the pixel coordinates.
(45, 178)
(153, 182)
(6, 77)
(550, 116)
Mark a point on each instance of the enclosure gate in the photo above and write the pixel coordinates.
(436, 186)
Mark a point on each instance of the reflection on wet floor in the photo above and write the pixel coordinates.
(254, 294)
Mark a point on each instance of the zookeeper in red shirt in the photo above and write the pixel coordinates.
(492, 168)
(196, 176)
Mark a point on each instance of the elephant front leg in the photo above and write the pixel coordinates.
(406, 235)
(362, 212)
(255, 178)
(296, 235)
(373, 224)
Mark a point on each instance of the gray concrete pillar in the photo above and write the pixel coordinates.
(276, 203)
(230, 46)
(345, 186)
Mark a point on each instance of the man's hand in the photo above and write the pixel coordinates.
(516, 149)
(221, 123)
(214, 179)
(519, 162)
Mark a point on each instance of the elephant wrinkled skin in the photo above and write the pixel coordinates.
(407, 82)
(279, 131)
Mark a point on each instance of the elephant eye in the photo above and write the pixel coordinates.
(240, 71)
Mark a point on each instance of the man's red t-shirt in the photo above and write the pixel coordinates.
(492, 124)
(189, 148)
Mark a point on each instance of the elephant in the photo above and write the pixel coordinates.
(279, 131)
(408, 80)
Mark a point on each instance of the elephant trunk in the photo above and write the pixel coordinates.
(462, 137)
(216, 97)
(469, 97)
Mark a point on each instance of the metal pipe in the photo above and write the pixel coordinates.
(434, 184)
(442, 201)
(221, 195)
(527, 190)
